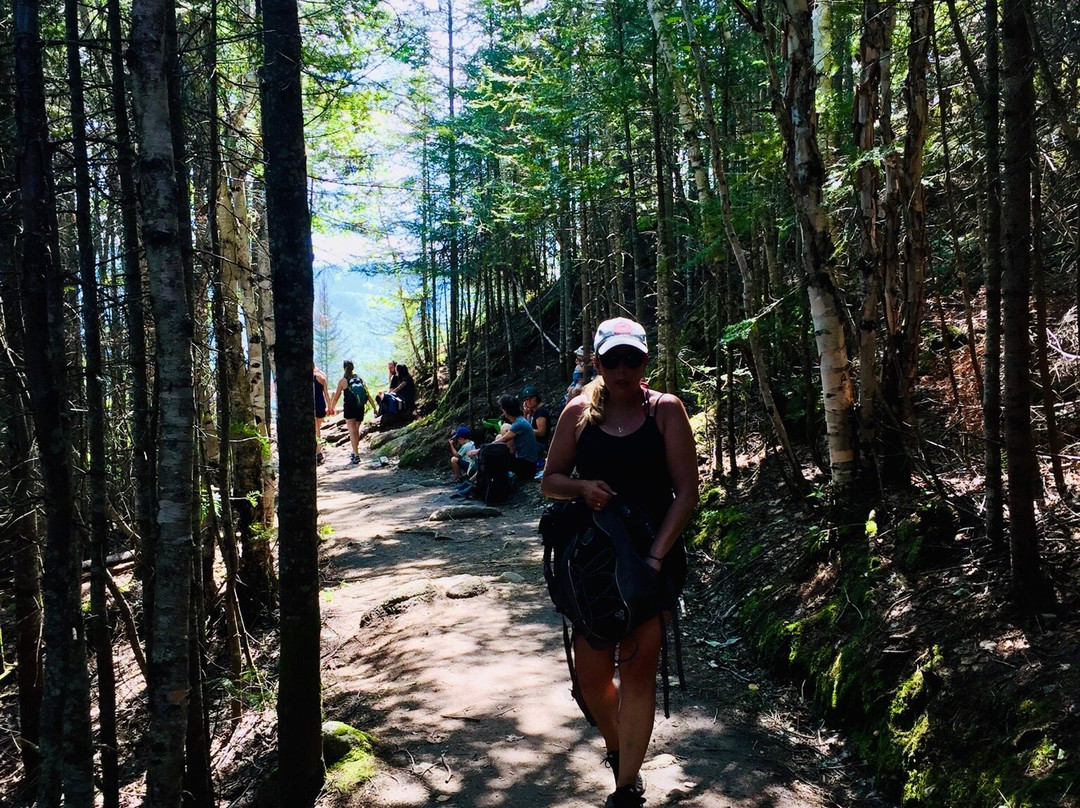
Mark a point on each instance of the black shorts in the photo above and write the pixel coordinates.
(352, 411)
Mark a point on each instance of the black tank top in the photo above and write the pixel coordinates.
(635, 466)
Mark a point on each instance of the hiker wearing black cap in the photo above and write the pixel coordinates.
(636, 444)
(538, 415)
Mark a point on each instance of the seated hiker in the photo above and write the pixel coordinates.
(392, 382)
(579, 378)
(517, 433)
(461, 443)
(400, 399)
(533, 408)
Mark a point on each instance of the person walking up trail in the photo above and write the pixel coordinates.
(630, 442)
(354, 390)
(322, 408)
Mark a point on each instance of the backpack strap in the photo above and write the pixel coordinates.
(575, 687)
(676, 635)
(664, 666)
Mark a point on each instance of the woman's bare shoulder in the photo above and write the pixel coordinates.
(666, 406)
(573, 407)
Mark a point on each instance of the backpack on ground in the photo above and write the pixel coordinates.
(358, 390)
(599, 583)
(493, 473)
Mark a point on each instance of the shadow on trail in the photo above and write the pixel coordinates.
(468, 696)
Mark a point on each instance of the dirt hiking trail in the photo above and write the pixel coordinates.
(439, 639)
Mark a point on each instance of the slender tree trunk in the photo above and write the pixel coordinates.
(454, 336)
(944, 96)
(144, 461)
(1049, 397)
(251, 300)
(665, 250)
(66, 773)
(264, 293)
(23, 531)
(995, 493)
(1030, 588)
(711, 232)
(1062, 111)
(905, 317)
(428, 281)
(289, 221)
(21, 534)
(874, 48)
(198, 773)
(796, 114)
(222, 279)
(259, 590)
(169, 290)
(95, 421)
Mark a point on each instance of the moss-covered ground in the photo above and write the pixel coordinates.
(898, 624)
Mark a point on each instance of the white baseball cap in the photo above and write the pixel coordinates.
(619, 331)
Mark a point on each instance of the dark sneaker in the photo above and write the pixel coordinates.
(319, 459)
(625, 797)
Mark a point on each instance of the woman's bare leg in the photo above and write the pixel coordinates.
(637, 698)
(596, 678)
(354, 434)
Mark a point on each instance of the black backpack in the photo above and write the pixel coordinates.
(493, 474)
(595, 577)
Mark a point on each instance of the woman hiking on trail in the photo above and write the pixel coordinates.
(630, 442)
(354, 407)
(322, 408)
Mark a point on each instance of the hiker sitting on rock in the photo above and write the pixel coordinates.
(578, 379)
(517, 433)
(461, 444)
(537, 414)
(391, 383)
(401, 397)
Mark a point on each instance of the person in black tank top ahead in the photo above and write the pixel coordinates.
(352, 409)
(322, 408)
(620, 439)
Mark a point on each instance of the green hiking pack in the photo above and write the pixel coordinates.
(358, 390)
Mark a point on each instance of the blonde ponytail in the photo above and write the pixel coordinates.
(595, 394)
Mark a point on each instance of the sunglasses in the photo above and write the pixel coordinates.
(632, 360)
